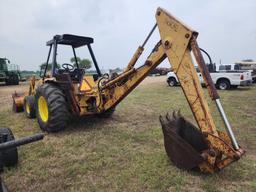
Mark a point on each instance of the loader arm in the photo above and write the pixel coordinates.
(177, 41)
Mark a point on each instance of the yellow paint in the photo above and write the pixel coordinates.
(43, 109)
(87, 83)
(27, 108)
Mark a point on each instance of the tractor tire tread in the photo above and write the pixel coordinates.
(9, 156)
(57, 108)
(31, 102)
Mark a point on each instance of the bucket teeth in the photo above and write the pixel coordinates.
(183, 141)
(170, 121)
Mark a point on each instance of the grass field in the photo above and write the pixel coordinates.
(126, 152)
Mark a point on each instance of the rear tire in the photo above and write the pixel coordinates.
(29, 106)
(9, 157)
(172, 82)
(51, 108)
(15, 79)
(8, 81)
(223, 84)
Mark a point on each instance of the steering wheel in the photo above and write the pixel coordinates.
(67, 66)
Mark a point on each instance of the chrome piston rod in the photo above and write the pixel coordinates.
(211, 88)
(228, 127)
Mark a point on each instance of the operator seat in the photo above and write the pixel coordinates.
(77, 74)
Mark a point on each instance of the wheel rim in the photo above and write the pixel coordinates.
(223, 86)
(171, 83)
(43, 108)
(27, 108)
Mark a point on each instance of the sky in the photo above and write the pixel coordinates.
(227, 28)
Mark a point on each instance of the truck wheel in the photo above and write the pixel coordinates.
(29, 106)
(8, 81)
(223, 84)
(51, 108)
(107, 114)
(11, 80)
(9, 157)
(15, 80)
(172, 82)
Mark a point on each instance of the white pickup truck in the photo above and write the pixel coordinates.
(249, 66)
(223, 80)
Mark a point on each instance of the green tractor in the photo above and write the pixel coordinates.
(9, 73)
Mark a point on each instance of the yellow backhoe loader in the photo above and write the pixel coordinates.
(67, 92)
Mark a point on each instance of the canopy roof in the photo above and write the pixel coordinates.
(73, 40)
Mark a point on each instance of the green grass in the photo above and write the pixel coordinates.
(125, 152)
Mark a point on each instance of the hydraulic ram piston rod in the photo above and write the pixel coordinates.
(139, 51)
(225, 119)
(149, 35)
(212, 90)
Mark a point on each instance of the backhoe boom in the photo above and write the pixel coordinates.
(176, 43)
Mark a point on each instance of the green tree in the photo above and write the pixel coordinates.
(72, 60)
(82, 63)
(43, 65)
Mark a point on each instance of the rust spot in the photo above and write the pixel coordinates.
(148, 62)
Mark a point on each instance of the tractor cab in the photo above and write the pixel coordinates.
(66, 70)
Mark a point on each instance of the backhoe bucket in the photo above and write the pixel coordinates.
(183, 141)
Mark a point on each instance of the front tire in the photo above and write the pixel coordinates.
(29, 106)
(51, 108)
(172, 82)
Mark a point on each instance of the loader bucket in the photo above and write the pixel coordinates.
(18, 101)
(183, 141)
